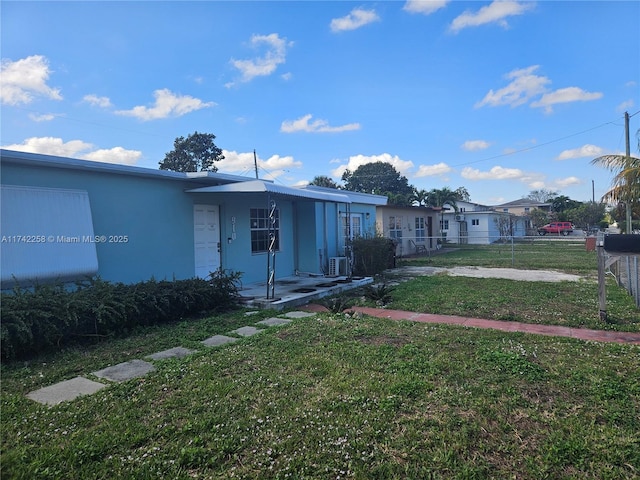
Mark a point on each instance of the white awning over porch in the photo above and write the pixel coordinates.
(262, 186)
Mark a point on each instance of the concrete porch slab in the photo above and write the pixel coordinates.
(274, 322)
(177, 352)
(125, 371)
(65, 391)
(218, 340)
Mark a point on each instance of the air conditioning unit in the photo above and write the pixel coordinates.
(337, 266)
(459, 218)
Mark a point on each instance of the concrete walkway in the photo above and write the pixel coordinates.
(631, 338)
(78, 386)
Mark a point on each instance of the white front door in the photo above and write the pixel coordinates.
(206, 239)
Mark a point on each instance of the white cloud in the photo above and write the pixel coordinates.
(51, 146)
(114, 155)
(496, 173)
(626, 105)
(475, 145)
(426, 7)
(402, 166)
(167, 104)
(45, 117)
(565, 95)
(354, 20)
(496, 12)
(317, 126)
(524, 85)
(532, 180)
(433, 170)
(243, 162)
(96, 101)
(23, 80)
(567, 182)
(584, 151)
(74, 148)
(276, 54)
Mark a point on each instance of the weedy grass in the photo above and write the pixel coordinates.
(337, 397)
(538, 254)
(570, 304)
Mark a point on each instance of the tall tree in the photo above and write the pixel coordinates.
(586, 215)
(195, 153)
(379, 178)
(561, 203)
(463, 194)
(543, 195)
(324, 181)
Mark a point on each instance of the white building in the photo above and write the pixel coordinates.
(472, 223)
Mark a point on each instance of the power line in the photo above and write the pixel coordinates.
(535, 146)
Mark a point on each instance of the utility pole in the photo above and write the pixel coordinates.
(628, 161)
(255, 163)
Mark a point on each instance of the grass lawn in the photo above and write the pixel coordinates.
(336, 396)
(533, 253)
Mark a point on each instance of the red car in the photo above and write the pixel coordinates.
(557, 228)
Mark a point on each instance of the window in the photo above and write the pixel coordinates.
(444, 225)
(475, 221)
(260, 223)
(526, 209)
(395, 227)
(351, 227)
(420, 232)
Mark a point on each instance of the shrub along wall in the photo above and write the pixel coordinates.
(49, 316)
(372, 256)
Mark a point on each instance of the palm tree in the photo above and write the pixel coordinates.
(439, 197)
(420, 197)
(625, 187)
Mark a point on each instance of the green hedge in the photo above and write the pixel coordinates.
(372, 256)
(49, 316)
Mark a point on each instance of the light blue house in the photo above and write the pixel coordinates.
(65, 219)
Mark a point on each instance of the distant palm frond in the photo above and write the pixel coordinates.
(626, 182)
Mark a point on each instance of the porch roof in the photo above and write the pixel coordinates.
(261, 186)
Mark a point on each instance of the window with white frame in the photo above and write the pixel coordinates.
(260, 223)
(395, 227)
(475, 221)
(420, 229)
(351, 226)
(444, 225)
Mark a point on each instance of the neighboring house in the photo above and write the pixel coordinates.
(472, 223)
(413, 228)
(66, 219)
(522, 207)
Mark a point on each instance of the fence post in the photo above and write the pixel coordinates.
(513, 253)
(602, 291)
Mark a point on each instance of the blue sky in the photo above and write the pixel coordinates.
(500, 97)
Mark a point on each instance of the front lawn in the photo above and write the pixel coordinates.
(336, 397)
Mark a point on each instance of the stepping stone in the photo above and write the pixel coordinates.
(253, 312)
(274, 322)
(218, 340)
(125, 371)
(298, 314)
(65, 391)
(177, 352)
(246, 331)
